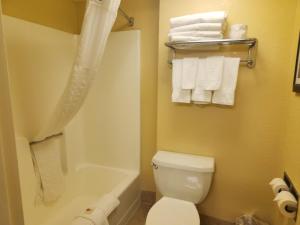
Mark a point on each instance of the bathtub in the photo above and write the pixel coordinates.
(88, 184)
(84, 185)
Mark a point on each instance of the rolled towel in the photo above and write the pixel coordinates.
(225, 94)
(108, 203)
(189, 38)
(213, 34)
(91, 217)
(199, 27)
(208, 17)
(199, 95)
(214, 73)
(178, 94)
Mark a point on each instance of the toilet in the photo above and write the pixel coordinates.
(183, 180)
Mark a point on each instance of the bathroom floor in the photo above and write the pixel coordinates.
(140, 216)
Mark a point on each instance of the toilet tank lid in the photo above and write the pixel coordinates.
(184, 161)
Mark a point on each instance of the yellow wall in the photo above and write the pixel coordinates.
(244, 139)
(60, 14)
(290, 150)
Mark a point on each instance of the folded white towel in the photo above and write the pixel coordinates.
(209, 17)
(108, 203)
(225, 94)
(178, 94)
(199, 95)
(238, 31)
(189, 72)
(199, 27)
(189, 38)
(214, 34)
(214, 72)
(47, 163)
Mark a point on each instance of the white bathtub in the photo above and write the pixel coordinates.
(88, 184)
(84, 185)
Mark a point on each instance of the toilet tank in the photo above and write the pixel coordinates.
(183, 176)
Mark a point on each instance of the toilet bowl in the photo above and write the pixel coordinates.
(174, 212)
(183, 180)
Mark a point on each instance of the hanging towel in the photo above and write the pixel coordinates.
(199, 95)
(47, 163)
(189, 38)
(225, 95)
(214, 72)
(199, 27)
(189, 72)
(209, 17)
(178, 94)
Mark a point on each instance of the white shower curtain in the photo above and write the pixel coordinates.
(98, 21)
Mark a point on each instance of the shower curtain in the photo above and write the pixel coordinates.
(98, 21)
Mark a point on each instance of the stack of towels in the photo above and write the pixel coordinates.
(205, 80)
(198, 26)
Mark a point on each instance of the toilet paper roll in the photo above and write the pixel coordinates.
(278, 185)
(286, 201)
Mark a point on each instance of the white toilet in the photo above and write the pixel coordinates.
(183, 180)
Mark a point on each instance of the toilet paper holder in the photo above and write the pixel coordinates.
(294, 192)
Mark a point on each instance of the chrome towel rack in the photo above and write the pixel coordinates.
(251, 43)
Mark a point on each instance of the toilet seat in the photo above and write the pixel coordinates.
(171, 211)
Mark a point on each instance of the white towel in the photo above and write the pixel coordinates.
(178, 94)
(189, 38)
(47, 163)
(213, 34)
(209, 17)
(108, 203)
(199, 95)
(225, 95)
(97, 213)
(199, 27)
(91, 217)
(214, 72)
(189, 72)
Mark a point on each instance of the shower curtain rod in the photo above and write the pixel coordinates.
(128, 18)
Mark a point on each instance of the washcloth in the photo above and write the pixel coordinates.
(189, 38)
(225, 94)
(47, 163)
(178, 94)
(238, 31)
(189, 72)
(199, 27)
(214, 72)
(199, 95)
(209, 17)
(212, 34)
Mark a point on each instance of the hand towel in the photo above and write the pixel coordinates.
(189, 72)
(199, 27)
(178, 94)
(209, 17)
(189, 38)
(225, 95)
(47, 163)
(214, 72)
(199, 95)
(212, 34)
(91, 217)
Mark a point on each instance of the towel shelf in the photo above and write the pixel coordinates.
(251, 43)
